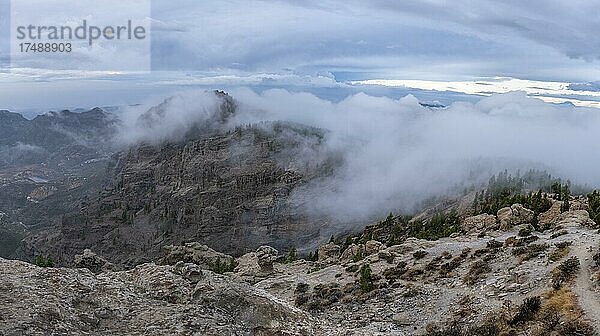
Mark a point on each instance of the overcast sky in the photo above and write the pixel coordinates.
(331, 43)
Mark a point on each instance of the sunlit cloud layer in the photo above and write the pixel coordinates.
(552, 92)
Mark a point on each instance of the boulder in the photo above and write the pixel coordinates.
(372, 247)
(352, 250)
(329, 254)
(514, 215)
(257, 264)
(479, 223)
(191, 272)
(576, 218)
(266, 256)
(195, 253)
(550, 218)
(93, 262)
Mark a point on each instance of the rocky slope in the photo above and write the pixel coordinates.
(48, 166)
(500, 277)
(148, 300)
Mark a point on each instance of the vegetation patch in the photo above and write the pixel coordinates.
(221, 267)
(559, 233)
(559, 253)
(420, 254)
(477, 271)
(594, 206)
(366, 279)
(42, 261)
(322, 295)
(439, 226)
(565, 272)
(529, 251)
(555, 314)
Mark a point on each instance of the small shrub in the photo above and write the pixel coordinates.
(558, 253)
(480, 252)
(412, 274)
(510, 241)
(322, 295)
(349, 241)
(566, 205)
(420, 254)
(450, 266)
(393, 273)
(313, 256)
(594, 206)
(522, 241)
(596, 258)
(563, 244)
(388, 257)
(221, 267)
(452, 330)
(42, 261)
(477, 271)
(494, 244)
(530, 251)
(528, 308)
(559, 233)
(576, 328)
(291, 256)
(565, 272)
(526, 231)
(366, 279)
(359, 255)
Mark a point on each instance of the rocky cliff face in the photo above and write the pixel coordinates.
(229, 188)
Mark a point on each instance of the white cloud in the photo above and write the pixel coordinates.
(398, 153)
(552, 92)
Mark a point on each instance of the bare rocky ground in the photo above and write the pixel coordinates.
(499, 278)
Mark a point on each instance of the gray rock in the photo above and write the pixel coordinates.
(147, 300)
(328, 254)
(93, 262)
(266, 256)
(372, 247)
(195, 253)
(514, 215)
(479, 223)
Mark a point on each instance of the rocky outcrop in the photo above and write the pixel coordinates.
(233, 189)
(514, 215)
(148, 300)
(257, 265)
(328, 254)
(194, 253)
(479, 223)
(93, 262)
(372, 247)
(351, 252)
(577, 218)
(265, 257)
(551, 217)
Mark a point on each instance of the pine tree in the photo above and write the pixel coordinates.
(366, 279)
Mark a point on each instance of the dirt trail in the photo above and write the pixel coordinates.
(587, 296)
